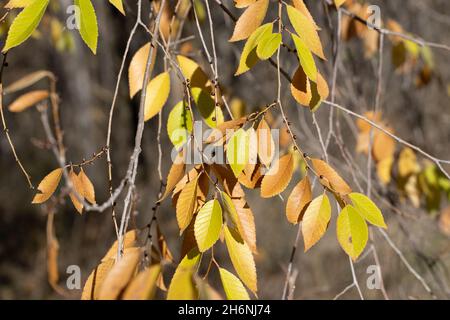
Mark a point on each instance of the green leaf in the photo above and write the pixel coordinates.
(208, 225)
(306, 58)
(249, 56)
(205, 105)
(238, 151)
(179, 124)
(182, 286)
(367, 209)
(88, 24)
(268, 45)
(306, 30)
(25, 23)
(233, 287)
(352, 232)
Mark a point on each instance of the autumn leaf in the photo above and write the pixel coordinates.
(233, 287)
(301, 87)
(352, 232)
(243, 3)
(241, 258)
(179, 124)
(299, 199)
(48, 186)
(78, 190)
(87, 188)
(367, 209)
(249, 56)
(88, 24)
(176, 173)
(27, 81)
(136, 70)
(305, 57)
(182, 286)
(143, 286)
(306, 30)
(339, 3)
(95, 280)
(120, 274)
(250, 20)
(12, 4)
(266, 144)
(192, 72)
(330, 178)
(315, 220)
(238, 151)
(28, 100)
(278, 177)
(157, 93)
(268, 45)
(208, 224)
(118, 4)
(300, 5)
(25, 23)
(212, 114)
(186, 204)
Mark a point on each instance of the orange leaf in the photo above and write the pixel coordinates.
(278, 177)
(48, 186)
(28, 100)
(330, 178)
(250, 20)
(299, 199)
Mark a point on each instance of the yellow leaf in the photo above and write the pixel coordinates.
(243, 3)
(300, 5)
(95, 280)
(136, 70)
(186, 204)
(157, 93)
(268, 45)
(241, 258)
(299, 199)
(48, 186)
(384, 169)
(211, 113)
(12, 4)
(118, 4)
(192, 71)
(208, 224)
(339, 3)
(407, 163)
(352, 232)
(87, 188)
(120, 275)
(306, 30)
(249, 57)
(182, 285)
(330, 178)
(28, 100)
(176, 173)
(233, 287)
(250, 20)
(266, 145)
(367, 209)
(143, 286)
(129, 241)
(278, 176)
(315, 220)
(78, 189)
(238, 151)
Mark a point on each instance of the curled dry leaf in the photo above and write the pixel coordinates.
(120, 275)
(28, 100)
(299, 199)
(78, 190)
(250, 20)
(330, 178)
(48, 186)
(278, 176)
(309, 93)
(251, 179)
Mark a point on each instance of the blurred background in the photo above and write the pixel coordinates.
(415, 104)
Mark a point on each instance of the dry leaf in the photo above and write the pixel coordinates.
(186, 204)
(266, 145)
(143, 286)
(299, 199)
(136, 70)
(48, 186)
(176, 173)
(250, 20)
(87, 188)
(78, 188)
(330, 178)
(278, 177)
(28, 100)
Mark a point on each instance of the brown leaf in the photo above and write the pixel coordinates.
(176, 173)
(278, 177)
(330, 178)
(251, 179)
(250, 20)
(120, 275)
(301, 88)
(48, 186)
(28, 100)
(219, 132)
(78, 188)
(87, 188)
(299, 199)
(186, 204)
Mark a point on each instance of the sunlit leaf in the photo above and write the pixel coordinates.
(157, 93)
(352, 232)
(208, 224)
(48, 186)
(211, 113)
(136, 70)
(88, 24)
(192, 71)
(233, 287)
(306, 58)
(268, 45)
(179, 124)
(299, 199)
(367, 209)
(186, 204)
(238, 151)
(25, 24)
(330, 178)
(250, 20)
(118, 4)
(95, 280)
(182, 285)
(315, 220)
(278, 176)
(176, 173)
(87, 190)
(266, 144)
(143, 286)
(28, 100)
